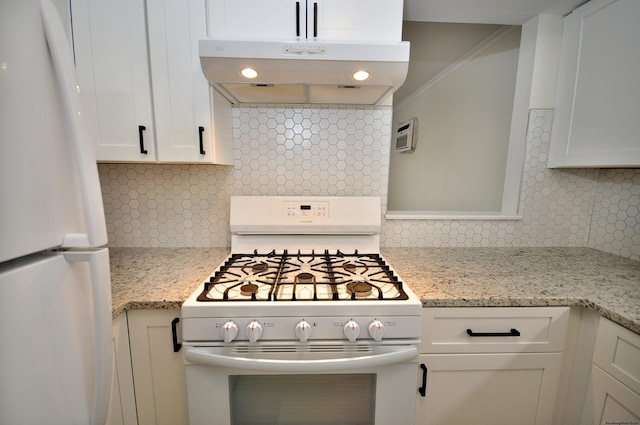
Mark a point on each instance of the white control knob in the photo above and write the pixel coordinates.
(303, 330)
(229, 331)
(254, 331)
(351, 330)
(376, 330)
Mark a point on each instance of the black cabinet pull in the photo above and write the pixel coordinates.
(200, 131)
(141, 129)
(297, 19)
(174, 335)
(315, 20)
(512, 332)
(423, 388)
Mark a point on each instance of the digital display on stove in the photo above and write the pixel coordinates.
(315, 210)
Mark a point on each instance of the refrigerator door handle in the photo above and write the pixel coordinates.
(81, 144)
(102, 324)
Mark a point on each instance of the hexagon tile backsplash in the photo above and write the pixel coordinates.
(345, 152)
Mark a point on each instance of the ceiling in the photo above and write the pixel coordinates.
(436, 46)
(439, 38)
(505, 12)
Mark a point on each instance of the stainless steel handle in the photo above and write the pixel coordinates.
(205, 357)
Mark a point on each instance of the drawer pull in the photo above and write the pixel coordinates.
(297, 19)
(512, 332)
(174, 335)
(200, 131)
(141, 129)
(423, 388)
(315, 20)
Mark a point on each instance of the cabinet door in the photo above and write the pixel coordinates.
(158, 372)
(598, 96)
(257, 19)
(344, 20)
(355, 20)
(617, 352)
(613, 402)
(110, 47)
(507, 389)
(123, 404)
(180, 90)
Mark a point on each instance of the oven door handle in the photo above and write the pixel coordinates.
(202, 356)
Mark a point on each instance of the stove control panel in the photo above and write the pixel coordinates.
(306, 209)
(303, 329)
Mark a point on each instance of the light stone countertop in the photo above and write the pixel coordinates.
(159, 278)
(162, 278)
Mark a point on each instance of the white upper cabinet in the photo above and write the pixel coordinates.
(598, 95)
(144, 93)
(301, 20)
(114, 77)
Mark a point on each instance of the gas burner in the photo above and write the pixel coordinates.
(359, 289)
(259, 267)
(249, 289)
(350, 267)
(305, 278)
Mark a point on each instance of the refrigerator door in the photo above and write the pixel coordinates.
(49, 187)
(55, 362)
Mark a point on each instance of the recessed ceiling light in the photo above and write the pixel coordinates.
(360, 75)
(249, 73)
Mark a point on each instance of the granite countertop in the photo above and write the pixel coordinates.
(162, 278)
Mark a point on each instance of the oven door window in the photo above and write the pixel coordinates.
(341, 399)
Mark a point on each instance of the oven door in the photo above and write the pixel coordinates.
(285, 383)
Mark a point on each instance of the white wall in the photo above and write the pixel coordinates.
(464, 117)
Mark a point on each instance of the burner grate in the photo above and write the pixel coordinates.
(298, 276)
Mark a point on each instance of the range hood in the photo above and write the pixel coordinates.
(304, 73)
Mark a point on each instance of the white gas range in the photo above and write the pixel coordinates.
(305, 295)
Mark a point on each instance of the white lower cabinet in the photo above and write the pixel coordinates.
(495, 389)
(490, 365)
(122, 410)
(158, 371)
(614, 403)
(615, 377)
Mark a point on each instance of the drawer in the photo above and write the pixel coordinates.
(494, 329)
(617, 352)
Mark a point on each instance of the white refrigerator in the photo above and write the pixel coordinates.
(55, 297)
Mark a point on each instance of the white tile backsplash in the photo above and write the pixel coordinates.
(344, 151)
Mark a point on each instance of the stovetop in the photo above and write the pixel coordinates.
(297, 276)
(303, 265)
